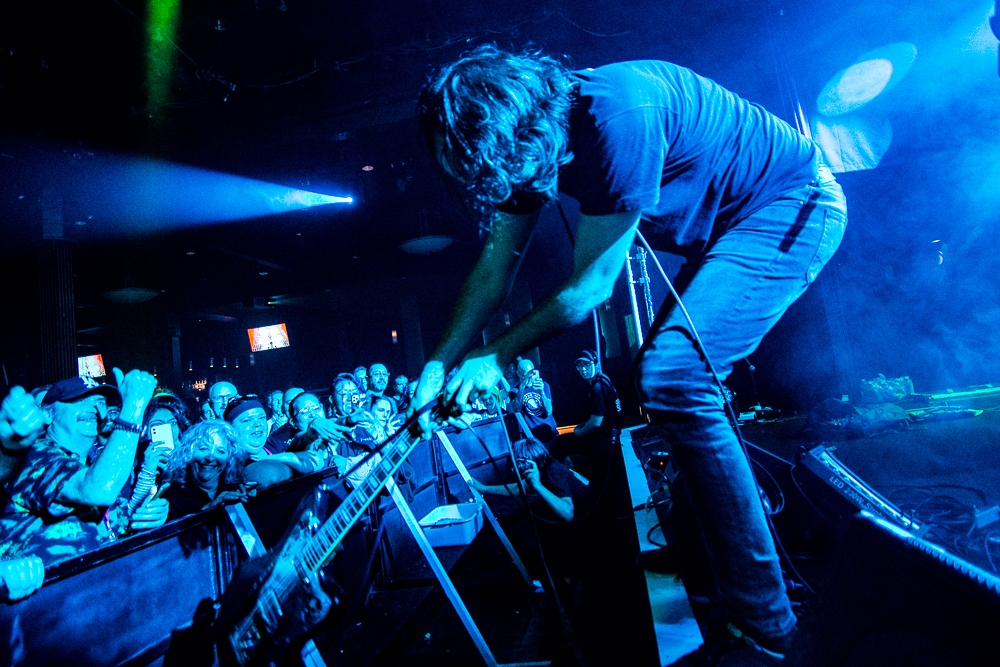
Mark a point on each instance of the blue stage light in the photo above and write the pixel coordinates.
(137, 195)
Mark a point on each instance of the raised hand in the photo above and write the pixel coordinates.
(21, 421)
(136, 389)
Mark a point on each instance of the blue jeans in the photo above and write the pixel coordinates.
(735, 293)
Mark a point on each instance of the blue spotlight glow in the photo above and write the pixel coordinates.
(141, 195)
(873, 74)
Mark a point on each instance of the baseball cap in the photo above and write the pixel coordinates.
(75, 388)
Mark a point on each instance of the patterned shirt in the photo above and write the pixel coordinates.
(35, 523)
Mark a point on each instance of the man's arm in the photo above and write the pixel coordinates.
(483, 292)
(592, 424)
(601, 245)
(99, 483)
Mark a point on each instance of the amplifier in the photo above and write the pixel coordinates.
(838, 494)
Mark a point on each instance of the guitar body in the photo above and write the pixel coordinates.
(271, 603)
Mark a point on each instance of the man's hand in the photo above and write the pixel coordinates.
(329, 430)
(531, 475)
(478, 374)
(21, 421)
(136, 389)
(22, 576)
(152, 514)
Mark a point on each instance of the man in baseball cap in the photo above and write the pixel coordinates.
(58, 502)
(76, 388)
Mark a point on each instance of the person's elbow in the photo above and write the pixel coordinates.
(84, 491)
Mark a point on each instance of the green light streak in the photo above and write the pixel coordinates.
(160, 34)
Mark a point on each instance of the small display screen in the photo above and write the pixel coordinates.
(268, 338)
(92, 366)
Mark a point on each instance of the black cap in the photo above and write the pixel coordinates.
(73, 389)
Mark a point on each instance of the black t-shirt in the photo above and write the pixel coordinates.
(279, 440)
(694, 158)
(603, 402)
(185, 498)
(561, 481)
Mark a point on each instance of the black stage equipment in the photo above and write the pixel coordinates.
(891, 598)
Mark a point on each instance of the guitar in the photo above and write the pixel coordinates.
(284, 585)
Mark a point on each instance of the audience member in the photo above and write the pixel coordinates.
(164, 409)
(246, 414)
(276, 404)
(219, 395)
(533, 399)
(398, 393)
(552, 486)
(378, 382)
(361, 375)
(58, 502)
(382, 411)
(279, 438)
(206, 470)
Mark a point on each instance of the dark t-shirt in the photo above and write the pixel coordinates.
(279, 440)
(185, 498)
(561, 481)
(693, 157)
(602, 400)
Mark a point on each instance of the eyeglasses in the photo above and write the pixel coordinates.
(309, 409)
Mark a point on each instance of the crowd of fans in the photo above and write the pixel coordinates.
(83, 464)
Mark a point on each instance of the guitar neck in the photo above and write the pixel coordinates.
(321, 546)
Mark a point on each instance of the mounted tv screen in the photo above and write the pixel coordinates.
(268, 338)
(92, 366)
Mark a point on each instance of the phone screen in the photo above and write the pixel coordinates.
(163, 433)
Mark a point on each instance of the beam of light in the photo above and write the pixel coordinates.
(142, 195)
(161, 30)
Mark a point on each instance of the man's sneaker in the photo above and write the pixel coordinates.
(730, 648)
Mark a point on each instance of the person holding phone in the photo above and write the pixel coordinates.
(551, 485)
(533, 399)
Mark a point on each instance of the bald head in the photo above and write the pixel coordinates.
(219, 395)
(290, 395)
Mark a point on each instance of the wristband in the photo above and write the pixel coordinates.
(120, 424)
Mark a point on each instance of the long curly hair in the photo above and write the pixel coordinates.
(172, 402)
(503, 121)
(233, 473)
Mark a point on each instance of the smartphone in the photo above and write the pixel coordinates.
(163, 433)
(357, 400)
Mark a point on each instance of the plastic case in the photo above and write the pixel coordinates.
(453, 525)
